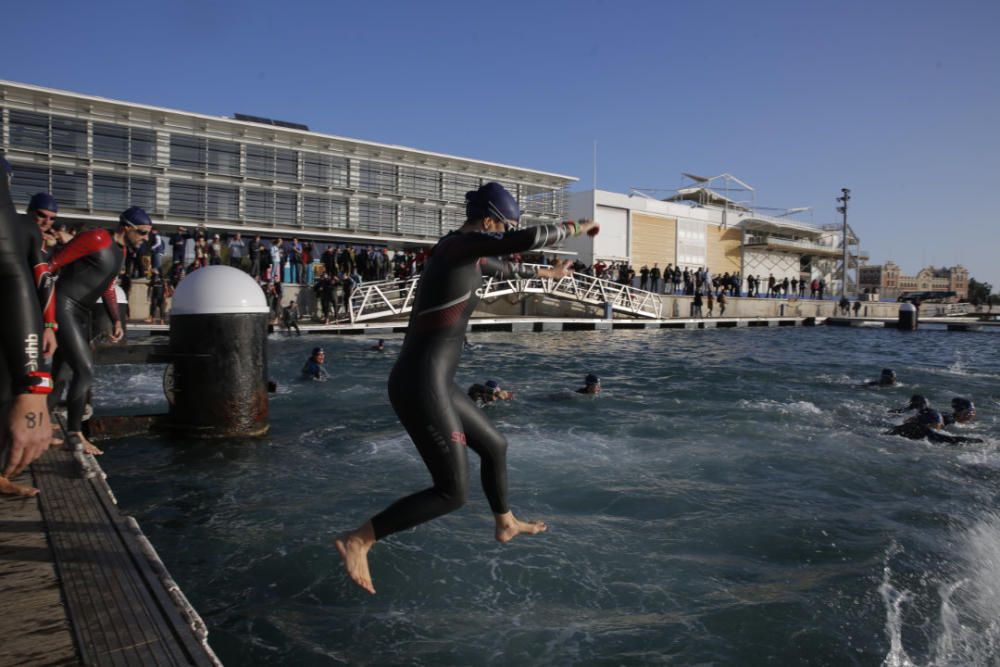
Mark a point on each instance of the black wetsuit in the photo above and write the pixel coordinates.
(915, 431)
(21, 333)
(86, 269)
(440, 418)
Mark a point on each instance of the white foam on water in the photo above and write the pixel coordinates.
(966, 630)
(784, 408)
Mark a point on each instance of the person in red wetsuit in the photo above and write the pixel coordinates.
(443, 422)
(25, 431)
(41, 215)
(86, 269)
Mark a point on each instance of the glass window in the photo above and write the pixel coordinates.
(187, 152)
(110, 193)
(223, 203)
(454, 186)
(143, 146)
(69, 136)
(260, 205)
(377, 177)
(539, 199)
(29, 130)
(417, 182)
(286, 165)
(451, 218)
(70, 188)
(376, 217)
(327, 170)
(143, 193)
(223, 157)
(110, 142)
(286, 208)
(187, 199)
(323, 212)
(28, 181)
(260, 162)
(419, 220)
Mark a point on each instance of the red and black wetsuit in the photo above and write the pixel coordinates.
(440, 418)
(86, 268)
(44, 283)
(20, 335)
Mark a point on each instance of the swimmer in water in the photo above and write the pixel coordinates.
(592, 385)
(928, 424)
(963, 412)
(887, 378)
(313, 368)
(442, 420)
(917, 402)
(379, 346)
(490, 392)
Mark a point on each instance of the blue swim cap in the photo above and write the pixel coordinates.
(43, 201)
(494, 201)
(492, 385)
(918, 402)
(930, 417)
(133, 217)
(592, 379)
(317, 350)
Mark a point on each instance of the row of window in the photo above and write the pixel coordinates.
(114, 193)
(45, 133)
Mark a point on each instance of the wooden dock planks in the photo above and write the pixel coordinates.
(93, 592)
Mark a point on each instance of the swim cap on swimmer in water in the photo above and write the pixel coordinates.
(592, 379)
(317, 351)
(962, 405)
(43, 201)
(134, 217)
(492, 385)
(492, 200)
(918, 402)
(888, 373)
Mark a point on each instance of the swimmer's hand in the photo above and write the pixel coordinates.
(118, 333)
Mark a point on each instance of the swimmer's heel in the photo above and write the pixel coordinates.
(85, 466)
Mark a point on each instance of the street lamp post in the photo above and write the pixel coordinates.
(843, 199)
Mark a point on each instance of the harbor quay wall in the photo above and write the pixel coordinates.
(539, 305)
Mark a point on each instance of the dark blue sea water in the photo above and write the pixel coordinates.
(729, 499)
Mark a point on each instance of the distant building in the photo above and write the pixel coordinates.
(701, 226)
(244, 174)
(890, 282)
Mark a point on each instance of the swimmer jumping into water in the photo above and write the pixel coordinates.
(442, 421)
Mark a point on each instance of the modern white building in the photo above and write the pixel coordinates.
(699, 226)
(98, 156)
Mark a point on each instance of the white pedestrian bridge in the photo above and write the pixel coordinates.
(391, 299)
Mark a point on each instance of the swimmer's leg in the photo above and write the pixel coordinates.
(484, 439)
(427, 420)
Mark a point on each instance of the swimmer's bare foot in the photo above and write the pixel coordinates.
(509, 527)
(353, 548)
(9, 488)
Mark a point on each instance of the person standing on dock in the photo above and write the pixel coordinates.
(87, 268)
(442, 420)
(26, 429)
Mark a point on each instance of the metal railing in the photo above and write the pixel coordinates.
(392, 298)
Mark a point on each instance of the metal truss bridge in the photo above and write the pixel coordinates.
(392, 299)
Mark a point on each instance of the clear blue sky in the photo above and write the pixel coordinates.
(898, 101)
